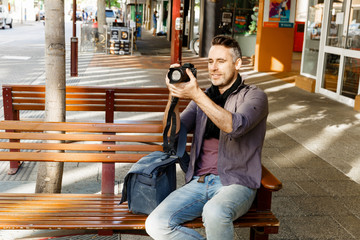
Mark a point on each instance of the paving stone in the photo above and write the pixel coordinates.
(311, 188)
(286, 206)
(317, 227)
(291, 189)
(341, 188)
(321, 206)
(290, 174)
(313, 162)
(285, 233)
(351, 223)
(325, 174)
(352, 204)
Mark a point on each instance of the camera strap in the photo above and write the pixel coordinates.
(169, 146)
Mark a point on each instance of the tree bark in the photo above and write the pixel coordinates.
(101, 16)
(49, 176)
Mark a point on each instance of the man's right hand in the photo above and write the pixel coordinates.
(184, 90)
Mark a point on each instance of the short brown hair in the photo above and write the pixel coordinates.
(228, 42)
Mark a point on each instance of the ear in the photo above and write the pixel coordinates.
(238, 63)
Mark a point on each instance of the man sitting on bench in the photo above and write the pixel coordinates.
(229, 124)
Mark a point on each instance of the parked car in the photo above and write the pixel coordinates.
(110, 16)
(5, 17)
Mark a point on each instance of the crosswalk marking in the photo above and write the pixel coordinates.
(16, 57)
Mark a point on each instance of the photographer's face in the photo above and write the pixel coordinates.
(222, 70)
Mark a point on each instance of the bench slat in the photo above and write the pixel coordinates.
(70, 211)
(81, 147)
(81, 216)
(96, 108)
(81, 127)
(87, 98)
(71, 157)
(57, 196)
(79, 137)
(86, 89)
(19, 95)
(94, 101)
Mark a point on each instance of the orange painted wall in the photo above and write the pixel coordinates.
(274, 46)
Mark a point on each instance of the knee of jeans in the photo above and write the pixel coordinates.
(155, 224)
(151, 224)
(216, 214)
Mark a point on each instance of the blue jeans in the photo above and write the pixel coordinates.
(217, 204)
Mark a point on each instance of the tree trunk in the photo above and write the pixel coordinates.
(101, 16)
(49, 176)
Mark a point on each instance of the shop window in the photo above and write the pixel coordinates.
(353, 37)
(335, 36)
(312, 38)
(351, 77)
(243, 14)
(330, 81)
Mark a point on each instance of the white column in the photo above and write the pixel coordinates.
(160, 19)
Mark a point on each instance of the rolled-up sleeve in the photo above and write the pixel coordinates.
(250, 110)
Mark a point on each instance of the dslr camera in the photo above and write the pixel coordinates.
(178, 74)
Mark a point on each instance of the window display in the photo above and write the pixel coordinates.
(243, 17)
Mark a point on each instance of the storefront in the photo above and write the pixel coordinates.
(331, 53)
(239, 19)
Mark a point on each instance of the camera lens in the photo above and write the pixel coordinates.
(176, 75)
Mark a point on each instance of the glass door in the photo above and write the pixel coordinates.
(312, 35)
(339, 71)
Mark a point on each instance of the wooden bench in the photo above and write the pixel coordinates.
(98, 142)
(20, 98)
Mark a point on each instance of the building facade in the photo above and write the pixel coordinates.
(331, 51)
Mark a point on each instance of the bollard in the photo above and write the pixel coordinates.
(74, 57)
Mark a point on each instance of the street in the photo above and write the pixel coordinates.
(22, 52)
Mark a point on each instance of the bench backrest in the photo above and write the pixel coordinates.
(88, 98)
(79, 142)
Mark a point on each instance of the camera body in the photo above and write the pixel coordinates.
(178, 74)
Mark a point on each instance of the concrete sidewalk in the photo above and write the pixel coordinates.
(311, 145)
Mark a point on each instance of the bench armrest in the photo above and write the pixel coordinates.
(269, 181)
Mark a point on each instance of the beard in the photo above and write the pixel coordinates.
(223, 80)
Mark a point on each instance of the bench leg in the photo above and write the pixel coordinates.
(14, 167)
(257, 234)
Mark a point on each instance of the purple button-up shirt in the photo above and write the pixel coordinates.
(239, 157)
